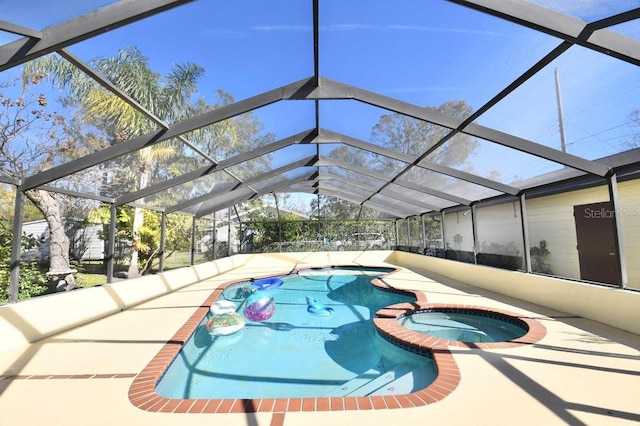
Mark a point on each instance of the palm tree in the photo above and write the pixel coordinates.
(167, 97)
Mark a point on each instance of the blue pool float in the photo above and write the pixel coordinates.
(316, 308)
(267, 283)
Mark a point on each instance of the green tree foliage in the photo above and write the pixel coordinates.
(7, 205)
(264, 231)
(165, 96)
(407, 135)
(171, 98)
(32, 282)
(177, 238)
(331, 208)
(261, 230)
(415, 137)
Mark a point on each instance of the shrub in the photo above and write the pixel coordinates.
(32, 281)
(539, 258)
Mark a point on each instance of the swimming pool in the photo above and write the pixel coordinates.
(298, 354)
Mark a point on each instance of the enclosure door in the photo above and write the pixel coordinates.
(596, 246)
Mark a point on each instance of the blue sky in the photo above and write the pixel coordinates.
(425, 52)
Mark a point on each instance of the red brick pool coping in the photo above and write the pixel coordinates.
(142, 392)
(386, 322)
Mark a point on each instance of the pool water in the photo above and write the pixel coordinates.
(298, 354)
(463, 326)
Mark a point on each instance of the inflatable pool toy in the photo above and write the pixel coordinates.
(317, 308)
(267, 283)
(224, 319)
(222, 307)
(260, 306)
(221, 325)
(238, 292)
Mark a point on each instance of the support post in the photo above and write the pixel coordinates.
(163, 237)
(408, 233)
(214, 238)
(474, 227)
(442, 235)
(525, 233)
(229, 228)
(111, 243)
(16, 246)
(275, 198)
(235, 209)
(192, 261)
(397, 235)
(617, 231)
(424, 234)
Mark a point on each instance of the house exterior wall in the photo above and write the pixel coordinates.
(551, 219)
(88, 244)
(629, 196)
(85, 241)
(39, 230)
(458, 231)
(499, 229)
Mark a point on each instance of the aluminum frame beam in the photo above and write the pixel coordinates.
(389, 193)
(590, 35)
(573, 31)
(276, 187)
(231, 187)
(303, 137)
(85, 68)
(59, 36)
(9, 180)
(355, 184)
(356, 200)
(374, 190)
(227, 199)
(424, 164)
(332, 162)
(12, 28)
(355, 195)
(179, 128)
(330, 89)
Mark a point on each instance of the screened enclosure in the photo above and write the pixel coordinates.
(497, 132)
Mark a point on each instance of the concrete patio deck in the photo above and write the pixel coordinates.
(581, 373)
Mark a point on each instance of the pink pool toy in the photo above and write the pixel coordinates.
(259, 306)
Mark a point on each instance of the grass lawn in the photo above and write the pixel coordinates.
(90, 280)
(91, 273)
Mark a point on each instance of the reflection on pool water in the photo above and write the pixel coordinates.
(298, 354)
(470, 326)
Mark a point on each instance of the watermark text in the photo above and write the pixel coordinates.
(603, 213)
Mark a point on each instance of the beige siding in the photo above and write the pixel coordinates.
(551, 219)
(629, 194)
(458, 224)
(501, 225)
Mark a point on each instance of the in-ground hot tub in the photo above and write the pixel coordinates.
(465, 324)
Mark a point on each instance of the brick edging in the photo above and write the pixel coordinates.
(142, 393)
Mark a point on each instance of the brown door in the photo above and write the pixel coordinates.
(596, 242)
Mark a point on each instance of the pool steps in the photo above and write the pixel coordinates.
(385, 380)
(407, 383)
(364, 386)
